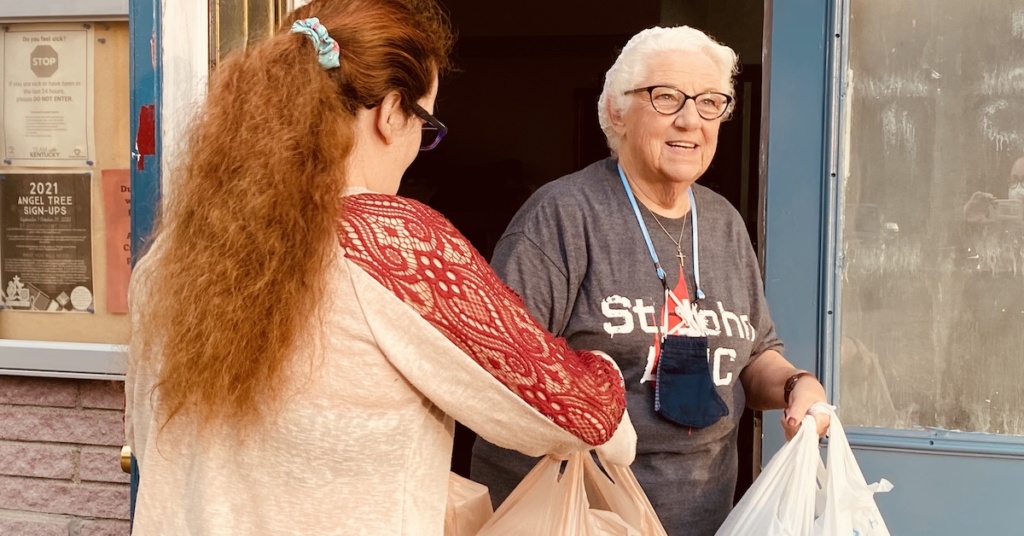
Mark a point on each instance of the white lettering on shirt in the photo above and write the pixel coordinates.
(715, 322)
(716, 369)
(617, 308)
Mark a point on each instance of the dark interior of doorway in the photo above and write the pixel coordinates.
(521, 111)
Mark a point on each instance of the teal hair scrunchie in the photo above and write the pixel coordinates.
(327, 48)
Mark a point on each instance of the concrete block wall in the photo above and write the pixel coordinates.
(60, 450)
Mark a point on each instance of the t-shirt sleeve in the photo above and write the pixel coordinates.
(422, 260)
(537, 277)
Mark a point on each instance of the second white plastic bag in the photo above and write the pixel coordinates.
(849, 506)
(797, 495)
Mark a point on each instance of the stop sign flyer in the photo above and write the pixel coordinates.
(48, 95)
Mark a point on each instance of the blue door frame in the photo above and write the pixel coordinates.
(946, 483)
(145, 79)
(796, 191)
(146, 83)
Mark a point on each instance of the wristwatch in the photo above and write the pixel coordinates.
(791, 383)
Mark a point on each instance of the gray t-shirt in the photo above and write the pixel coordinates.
(576, 255)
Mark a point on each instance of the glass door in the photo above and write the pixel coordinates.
(894, 242)
(931, 253)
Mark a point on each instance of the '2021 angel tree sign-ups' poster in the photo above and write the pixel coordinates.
(46, 242)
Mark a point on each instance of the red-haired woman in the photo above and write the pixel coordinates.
(303, 339)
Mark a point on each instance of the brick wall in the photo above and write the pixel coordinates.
(60, 450)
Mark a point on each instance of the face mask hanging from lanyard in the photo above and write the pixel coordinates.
(684, 392)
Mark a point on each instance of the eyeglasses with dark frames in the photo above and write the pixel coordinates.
(433, 130)
(668, 100)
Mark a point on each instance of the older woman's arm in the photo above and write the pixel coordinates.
(764, 382)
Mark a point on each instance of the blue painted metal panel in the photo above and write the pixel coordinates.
(144, 73)
(144, 28)
(796, 189)
(134, 490)
(946, 495)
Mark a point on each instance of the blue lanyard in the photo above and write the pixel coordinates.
(650, 245)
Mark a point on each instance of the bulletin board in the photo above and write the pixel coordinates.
(64, 197)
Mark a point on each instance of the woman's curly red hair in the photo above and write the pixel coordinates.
(250, 223)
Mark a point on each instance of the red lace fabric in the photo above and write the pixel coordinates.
(419, 256)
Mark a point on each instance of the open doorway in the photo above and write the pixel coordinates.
(522, 110)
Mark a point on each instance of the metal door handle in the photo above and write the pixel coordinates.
(126, 459)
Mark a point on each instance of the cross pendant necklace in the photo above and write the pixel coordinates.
(677, 241)
(679, 254)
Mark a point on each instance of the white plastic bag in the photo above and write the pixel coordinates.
(615, 489)
(579, 501)
(849, 506)
(797, 495)
(545, 503)
(469, 506)
(781, 501)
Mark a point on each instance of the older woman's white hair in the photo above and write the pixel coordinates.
(630, 66)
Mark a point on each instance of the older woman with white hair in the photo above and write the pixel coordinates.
(615, 257)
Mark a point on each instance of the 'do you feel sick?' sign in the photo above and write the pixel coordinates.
(48, 95)
(46, 242)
